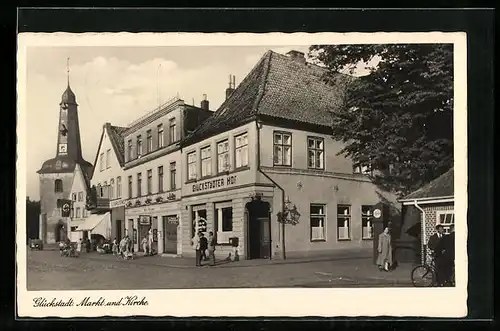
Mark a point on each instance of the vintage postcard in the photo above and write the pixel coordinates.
(240, 175)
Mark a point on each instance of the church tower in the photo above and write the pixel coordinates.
(56, 174)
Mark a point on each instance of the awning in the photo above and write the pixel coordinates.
(97, 224)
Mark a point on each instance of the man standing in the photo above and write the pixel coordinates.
(196, 246)
(434, 246)
(203, 247)
(150, 241)
(447, 247)
(211, 248)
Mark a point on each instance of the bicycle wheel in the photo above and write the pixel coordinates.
(423, 276)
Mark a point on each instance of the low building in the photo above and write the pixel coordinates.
(435, 205)
(80, 189)
(152, 169)
(267, 155)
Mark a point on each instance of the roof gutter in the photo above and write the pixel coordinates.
(424, 239)
(427, 200)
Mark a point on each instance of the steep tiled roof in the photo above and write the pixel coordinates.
(116, 138)
(279, 87)
(438, 188)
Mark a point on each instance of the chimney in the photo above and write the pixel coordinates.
(297, 56)
(232, 86)
(204, 102)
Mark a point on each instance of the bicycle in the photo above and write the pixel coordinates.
(424, 275)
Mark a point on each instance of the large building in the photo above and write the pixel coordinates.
(267, 155)
(56, 174)
(152, 172)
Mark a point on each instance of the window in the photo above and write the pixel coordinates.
(108, 158)
(172, 176)
(241, 150)
(118, 187)
(223, 222)
(72, 212)
(366, 222)
(160, 179)
(80, 196)
(192, 165)
(318, 222)
(315, 153)
(206, 162)
(160, 136)
(101, 161)
(150, 182)
(58, 186)
(343, 222)
(84, 212)
(173, 130)
(130, 187)
(78, 215)
(73, 197)
(139, 184)
(282, 149)
(129, 150)
(149, 141)
(139, 146)
(112, 188)
(223, 156)
(446, 218)
(199, 221)
(364, 169)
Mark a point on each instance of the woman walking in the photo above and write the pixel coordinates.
(384, 260)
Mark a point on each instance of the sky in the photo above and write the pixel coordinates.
(120, 84)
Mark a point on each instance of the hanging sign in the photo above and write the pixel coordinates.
(144, 220)
(377, 213)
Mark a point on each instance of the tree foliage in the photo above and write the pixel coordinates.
(399, 117)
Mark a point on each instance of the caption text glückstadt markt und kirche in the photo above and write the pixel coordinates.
(130, 300)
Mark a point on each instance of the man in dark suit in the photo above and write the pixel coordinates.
(434, 245)
(447, 248)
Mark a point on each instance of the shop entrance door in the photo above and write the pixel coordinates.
(143, 232)
(170, 231)
(259, 234)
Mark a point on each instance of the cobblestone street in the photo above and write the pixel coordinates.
(47, 270)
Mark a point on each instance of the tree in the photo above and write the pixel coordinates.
(398, 119)
(32, 219)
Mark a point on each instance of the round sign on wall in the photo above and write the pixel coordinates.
(65, 207)
(377, 213)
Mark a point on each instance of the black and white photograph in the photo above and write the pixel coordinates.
(317, 165)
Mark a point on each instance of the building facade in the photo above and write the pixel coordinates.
(79, 191)
(152, 178)
(56, 174)
(435, 205)
(266, 158)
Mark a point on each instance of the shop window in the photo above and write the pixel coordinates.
(191, 165)
(343, 222)
(366, 222)
(206, 162)
(223, 222)
(446, 218)
(160, 136)
(58, 186)
(223, 156)
(118, 187)
(315, 153)
(282, 152)
(199, 221)
(318, 222)
(241, 150)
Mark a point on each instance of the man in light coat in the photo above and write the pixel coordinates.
(196, 246)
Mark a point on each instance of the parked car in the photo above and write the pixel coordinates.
(36, 244)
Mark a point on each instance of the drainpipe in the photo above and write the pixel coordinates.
(283, 255)
(424, 239)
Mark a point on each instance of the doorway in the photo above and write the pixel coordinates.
(259, 230)
(143, 232)
(118, 230)
(60, 232)
(170, 234)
